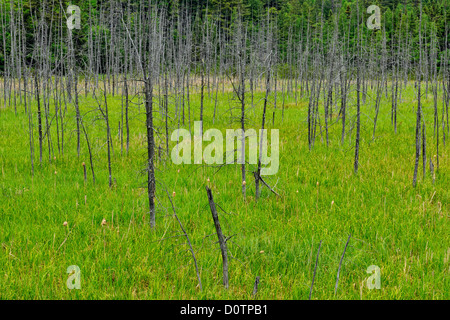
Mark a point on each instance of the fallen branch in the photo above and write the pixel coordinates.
(340, 263)
(258, 176)
(188, 240)
(315, 269)
(67, 237)
(255, 288)
(222, 241)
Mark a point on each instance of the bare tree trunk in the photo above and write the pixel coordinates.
(30, 122)
(242, 76)
(221, 237)
(419, 108)
(89, 149)
(150, 149)
(258, 171)
(108, 132)
(38, 99)
(358, 94)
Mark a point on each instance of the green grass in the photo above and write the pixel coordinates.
(403, 230)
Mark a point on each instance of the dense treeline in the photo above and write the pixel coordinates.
(292, 18)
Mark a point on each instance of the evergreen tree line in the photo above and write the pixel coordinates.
(294, 21)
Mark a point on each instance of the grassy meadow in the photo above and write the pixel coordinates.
(402, 230)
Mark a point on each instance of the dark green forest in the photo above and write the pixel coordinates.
(295, 20)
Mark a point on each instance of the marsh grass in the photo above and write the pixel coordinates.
(403, 230)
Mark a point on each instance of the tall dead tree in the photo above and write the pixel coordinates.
(358, 93)
(241, 43)
(220, 236)
(419, 107)
(258, 170)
